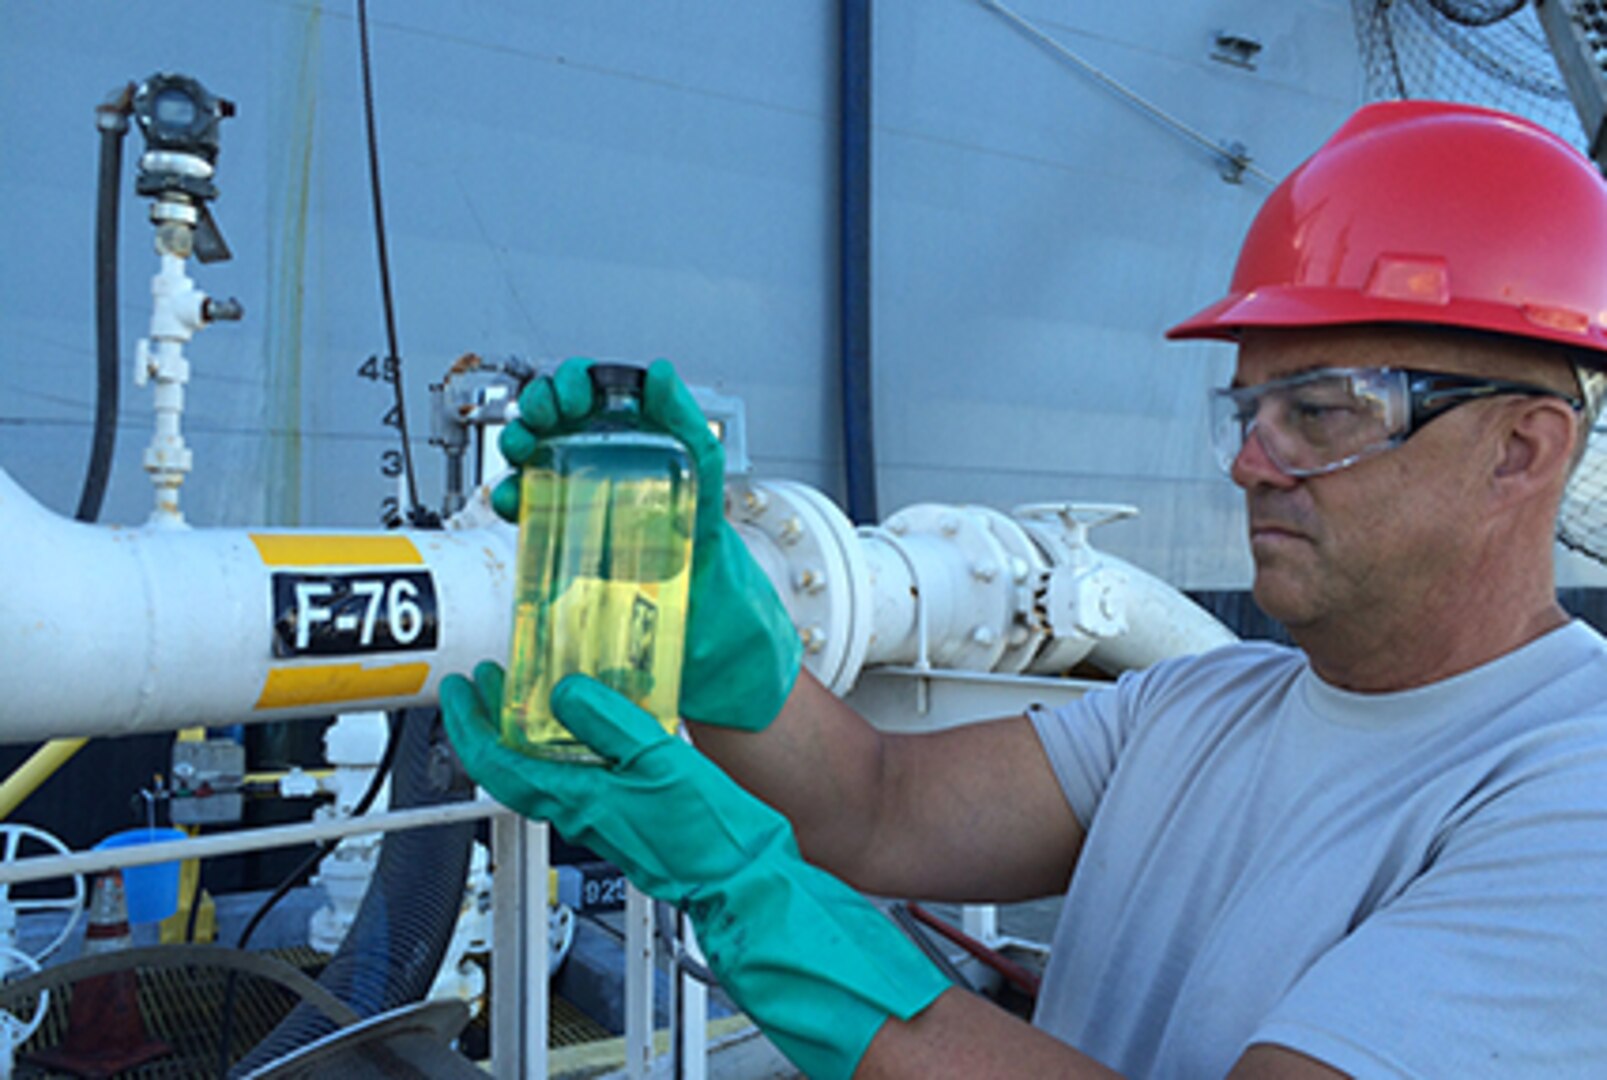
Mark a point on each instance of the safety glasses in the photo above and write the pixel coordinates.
(1324, 420)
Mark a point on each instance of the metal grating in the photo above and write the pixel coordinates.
(184, 1008)
(568, 1026)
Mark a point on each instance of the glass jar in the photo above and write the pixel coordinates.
(606, 516)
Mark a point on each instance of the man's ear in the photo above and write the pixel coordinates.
(1537, 444)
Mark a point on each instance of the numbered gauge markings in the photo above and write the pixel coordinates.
(339, 614)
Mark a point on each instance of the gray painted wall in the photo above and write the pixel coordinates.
(640, 179)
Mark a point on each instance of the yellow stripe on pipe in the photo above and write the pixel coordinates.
(335, 549)
(328, 684)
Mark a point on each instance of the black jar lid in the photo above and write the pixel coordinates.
(618, 378)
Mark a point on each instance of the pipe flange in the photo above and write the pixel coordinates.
(1061, 529)
(1025, 564)
(981, 598)
(824, 576)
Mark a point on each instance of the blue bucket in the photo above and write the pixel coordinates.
(152, 891)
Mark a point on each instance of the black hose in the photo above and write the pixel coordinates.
(112, 119)
(414, 513)
(303, 870)
(307, 866)
(678, 1008)
(395, 946)
(1477, 13)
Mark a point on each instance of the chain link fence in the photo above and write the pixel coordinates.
(1492, 53)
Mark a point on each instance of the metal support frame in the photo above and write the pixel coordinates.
(519, 991)
(45, 867)
(638, 985)
(694, 1015)
(519, 1028)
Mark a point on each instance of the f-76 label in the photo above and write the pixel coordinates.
(341, 614)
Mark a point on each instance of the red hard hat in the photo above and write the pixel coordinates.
(1427, 212)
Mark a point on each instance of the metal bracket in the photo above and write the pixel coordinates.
(1235, 159)
(1237, 49)
(207, 777)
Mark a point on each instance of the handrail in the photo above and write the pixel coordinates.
(44, 867)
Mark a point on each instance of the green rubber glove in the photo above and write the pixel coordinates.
(742, 651)
(812, 962)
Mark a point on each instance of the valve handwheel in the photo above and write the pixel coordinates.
(26, 841)
(14, 1031)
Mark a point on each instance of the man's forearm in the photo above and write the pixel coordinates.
(968, 814)
(960, 1034)
(818, 762)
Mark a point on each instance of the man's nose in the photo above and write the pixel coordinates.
(1254, 467)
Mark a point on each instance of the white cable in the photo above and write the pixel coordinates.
(1191, 133)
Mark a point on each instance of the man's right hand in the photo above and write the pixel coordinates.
(742, 651)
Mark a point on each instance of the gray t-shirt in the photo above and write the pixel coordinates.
(1408, 884)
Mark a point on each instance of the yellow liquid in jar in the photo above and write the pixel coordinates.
(605, 553)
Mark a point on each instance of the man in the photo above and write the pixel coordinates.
(1384, 854)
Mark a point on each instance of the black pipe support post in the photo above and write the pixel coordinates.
(854, 257)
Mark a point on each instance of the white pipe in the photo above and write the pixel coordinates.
(176, 314)
(1160, 622)
(108, 631)
(964, 588)
(898, 618)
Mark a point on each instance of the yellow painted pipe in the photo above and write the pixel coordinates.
(39, 767)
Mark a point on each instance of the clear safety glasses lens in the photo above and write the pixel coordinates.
(1321, 421)
(1314, 422)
